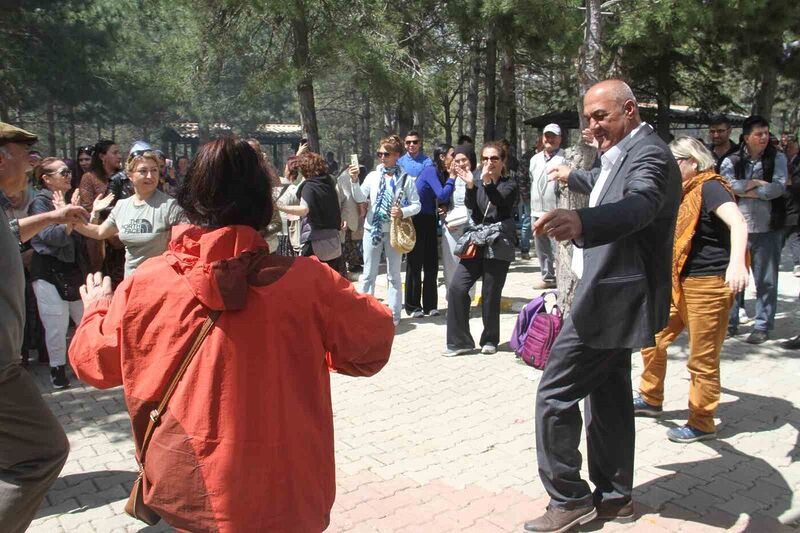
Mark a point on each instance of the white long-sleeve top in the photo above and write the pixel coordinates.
(369, 192)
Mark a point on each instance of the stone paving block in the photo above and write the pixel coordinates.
(740, 503)
(698, 501)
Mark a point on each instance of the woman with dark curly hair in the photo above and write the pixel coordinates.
(253, 408)
(319, 207)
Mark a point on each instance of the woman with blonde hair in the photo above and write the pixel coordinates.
(143, 221)
(708, 268)
(383, 188)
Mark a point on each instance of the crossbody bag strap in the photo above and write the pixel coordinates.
(155, 414)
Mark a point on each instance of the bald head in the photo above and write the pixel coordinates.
(611, 110)
(617, 90)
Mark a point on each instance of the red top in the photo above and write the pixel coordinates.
(247, 440)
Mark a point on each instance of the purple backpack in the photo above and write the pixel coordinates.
(535, 332)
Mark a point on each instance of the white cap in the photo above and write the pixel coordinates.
(552, 128)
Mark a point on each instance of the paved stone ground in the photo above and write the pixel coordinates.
(438, 444)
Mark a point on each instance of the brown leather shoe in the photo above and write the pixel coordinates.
(622, 513)
(542, 284)
(558, 520)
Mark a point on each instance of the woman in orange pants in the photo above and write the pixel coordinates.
(708, 268)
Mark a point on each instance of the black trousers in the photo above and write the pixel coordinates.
(603, 377)
(493, 272)
(423, 258)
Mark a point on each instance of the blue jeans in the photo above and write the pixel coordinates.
(372, 263)
(765, 256)
(524, 213)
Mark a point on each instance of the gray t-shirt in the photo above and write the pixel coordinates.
(12, 296)
(144, 229)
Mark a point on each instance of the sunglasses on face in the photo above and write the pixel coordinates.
(492, 158)
(383, 154)
(412, 142)
(61, 172)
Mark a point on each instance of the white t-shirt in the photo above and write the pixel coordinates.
(144, 229)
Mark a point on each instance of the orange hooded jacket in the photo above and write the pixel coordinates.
(247, 441)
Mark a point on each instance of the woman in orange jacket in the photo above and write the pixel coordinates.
(246, 443)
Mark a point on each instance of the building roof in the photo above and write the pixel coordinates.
(680, 116)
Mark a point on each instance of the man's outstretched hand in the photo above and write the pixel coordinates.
(560, 224)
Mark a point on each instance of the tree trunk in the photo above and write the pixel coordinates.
(51, 129)
(767, 86)
(203, 135)
(305, 83)
(448, 125)
(99, 131)
(460, 113)
(4, 116)
(366, 132)
(512, 113)
(489, 104)
(405, 116)
(504, 101)
(664, 100)
(581, 155)
(72, 148)
(474, 88)
(113, 132)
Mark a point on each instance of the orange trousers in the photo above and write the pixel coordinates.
(703, 310)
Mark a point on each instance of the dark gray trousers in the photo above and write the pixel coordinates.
(603, 377)
(33, 449)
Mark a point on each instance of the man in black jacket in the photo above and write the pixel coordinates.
(623, 257)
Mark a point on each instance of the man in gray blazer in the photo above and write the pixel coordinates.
(623, 256)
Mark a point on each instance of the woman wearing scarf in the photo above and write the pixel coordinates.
(708, 268)
(382, 188)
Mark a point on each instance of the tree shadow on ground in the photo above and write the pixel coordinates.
(715, 491)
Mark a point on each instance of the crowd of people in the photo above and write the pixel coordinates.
(668, 242)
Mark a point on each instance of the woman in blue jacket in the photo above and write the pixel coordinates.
(434, 185)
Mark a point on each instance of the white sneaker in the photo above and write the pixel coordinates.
(417, 314)
(489, 349)
(743, 318)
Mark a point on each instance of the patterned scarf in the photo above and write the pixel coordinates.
(688, 217)
(383, 205)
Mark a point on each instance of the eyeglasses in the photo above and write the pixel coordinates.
(62, 171)
(412, 142)
(383, 154)
(492, 158)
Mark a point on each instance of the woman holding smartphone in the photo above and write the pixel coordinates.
(491, 201)
(434, 185)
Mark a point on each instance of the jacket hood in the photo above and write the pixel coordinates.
(218, 264)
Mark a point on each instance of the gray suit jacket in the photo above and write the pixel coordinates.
(623, 298)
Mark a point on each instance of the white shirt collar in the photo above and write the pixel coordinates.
(612, 154)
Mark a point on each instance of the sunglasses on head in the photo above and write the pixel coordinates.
(413, 142)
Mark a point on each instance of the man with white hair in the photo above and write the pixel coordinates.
(623, 259)
(33, 446)
(543, 199)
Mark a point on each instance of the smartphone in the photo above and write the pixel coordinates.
(354, 160)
